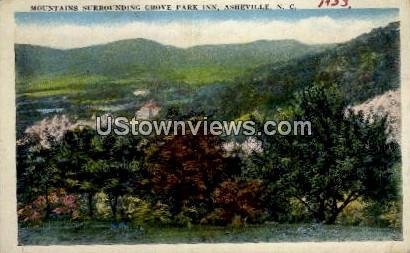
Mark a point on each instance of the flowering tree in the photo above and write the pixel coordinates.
(50, 130)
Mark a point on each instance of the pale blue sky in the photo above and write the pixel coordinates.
(92, 18)
(190, 28)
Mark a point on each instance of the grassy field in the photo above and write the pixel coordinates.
(67, 233)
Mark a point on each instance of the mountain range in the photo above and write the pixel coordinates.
(132, 57)
(227, 81)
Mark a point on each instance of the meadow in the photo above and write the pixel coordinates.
(94, 232)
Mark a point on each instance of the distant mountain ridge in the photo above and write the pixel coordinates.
(132, 56)
(366, 66)
(362, 68)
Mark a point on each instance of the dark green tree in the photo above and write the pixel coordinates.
(37, 170)
(79, 156)
(124, 173)
(348, 155)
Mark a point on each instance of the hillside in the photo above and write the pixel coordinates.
(226, 81)
(363, 68)
(130, 58)
(89, 80)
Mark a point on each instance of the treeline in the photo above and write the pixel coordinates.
(183, 180)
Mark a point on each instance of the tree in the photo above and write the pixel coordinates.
(27, 190)
(185, 170)
(241, 200)
(78, 156)
(347, 156)
(37, 165)
(124, 170)
(38, 173)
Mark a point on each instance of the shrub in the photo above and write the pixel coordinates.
(102, 208)
(394, 215)
(353, 214)
(33, 213)
(360, 212)
(217, 217)
(297, 211)
(384, 214)
(242, 199)
(182, 220)
(141, 212)
(60, 204)
(190, 215)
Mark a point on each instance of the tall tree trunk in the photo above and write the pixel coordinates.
(48, 208)
(113, 204)
(320, 215)
(335, 212)
(122, 211)
(90, 204)
(332, 219)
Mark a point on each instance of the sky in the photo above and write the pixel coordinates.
(185, 29)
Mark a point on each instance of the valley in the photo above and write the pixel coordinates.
(223, 81)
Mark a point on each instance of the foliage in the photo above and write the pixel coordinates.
(50, 131)
(298, 212)
(347, 156)
(102, 209)
(193, 180)
(359, 212)
(141, 212)
(77, 160)
(394, 215)
(354, 214)
(38, 173)
(61, 203)
(238, 203)
(384, 214)
(185, 169)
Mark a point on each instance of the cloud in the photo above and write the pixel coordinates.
(188, 33)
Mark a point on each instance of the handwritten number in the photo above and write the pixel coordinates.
(346, 3)
(323, 2)
(333, 3)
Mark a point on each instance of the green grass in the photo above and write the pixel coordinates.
(198, 76)
(67, 233)
(72, 84)
(58, 85)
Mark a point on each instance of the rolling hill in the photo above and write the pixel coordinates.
(84, 81)
(363, 68)
(130, 58)
(226, 81)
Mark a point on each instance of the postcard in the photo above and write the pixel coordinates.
(155, 126)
